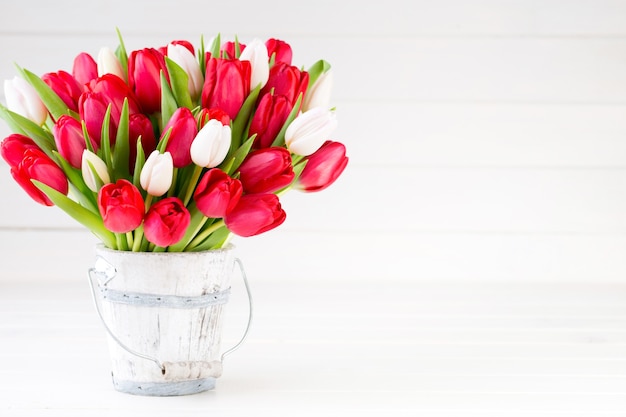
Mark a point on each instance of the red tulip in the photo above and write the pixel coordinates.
(281, 49)
(229, 49)
(255, 214)
(184, 130)
(121, 206)
(144, 77)
(68, 136)
(65, 86)
(139, 126)
(84, 69)
(270, 116)
(226, 84)
(14, 146)
(286, 80)
(115, 90)
(266, 170)
(323, 167)
(215, 113)
(166, 222)
(217, 193)
(92, 108)
(36, 165)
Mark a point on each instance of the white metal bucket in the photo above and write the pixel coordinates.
(163, 316)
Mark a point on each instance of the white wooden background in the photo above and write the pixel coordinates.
(487, 138)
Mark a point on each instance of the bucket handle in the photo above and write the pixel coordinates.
(93, 282)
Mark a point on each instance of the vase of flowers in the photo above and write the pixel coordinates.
(165, 153)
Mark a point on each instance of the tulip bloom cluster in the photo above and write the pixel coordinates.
(174, 148)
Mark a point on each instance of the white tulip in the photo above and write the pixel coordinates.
(91, 160)
(211, 144)
(22, 98)
(308, 132)
(109, 64)
(256, 53)
(188, 62)
(319, 93)
(157, 173)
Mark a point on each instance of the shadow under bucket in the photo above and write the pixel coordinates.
(163, 313)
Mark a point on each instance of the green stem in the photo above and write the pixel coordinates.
(129, 239)
(205, 233)
(136, 245)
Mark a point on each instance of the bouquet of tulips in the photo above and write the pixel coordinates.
(173, 148)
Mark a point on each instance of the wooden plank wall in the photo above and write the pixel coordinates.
(487, 138)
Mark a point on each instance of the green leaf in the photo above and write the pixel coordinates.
(105, 144)
(280, 138)
(240, 124)
(317, 69)
(85, 217)
(121, 151)
(24, 126)
(121, 53)
(84, 195)
(51, 100)
(215, 240)
(180, 83)
(232, 164)
(202, 56)
(216, 46)
(140, 160)
(168, 102)
(237, 47)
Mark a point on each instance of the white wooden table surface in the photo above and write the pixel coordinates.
(327, 348)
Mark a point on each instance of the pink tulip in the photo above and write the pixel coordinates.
(270, 116)
(184, 130)
(323, 167)
(68, 136)
(226, 84)
(255, 214)
(281, 49)
(65, 86)
(166, 222)
(121, 206)
(144, 77)
(228, 48)
(14, 146)
(84, 69)
(266, 170)
(36, 165)
(217, 193)
(92, 107)
(115, 90)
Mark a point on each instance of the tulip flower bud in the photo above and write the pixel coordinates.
(166, 222)
(183, 131)
(319, 93)
(68, 136)
(157, 173)
(286, 80)
(144, 77)
(323, 167)
(256, 53)
(211, 145)
(65, 86)
(266, 170)
(139, 126)
(280, 49)
(94, 170)
(226, 85)
(217, 193)
(84, 69)
(255, 214)
(36, 165)
(188, 62)
(270, 116)
(121, 206)
(109, 64)
(22, 98)
(310, 130)
(14, 146)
